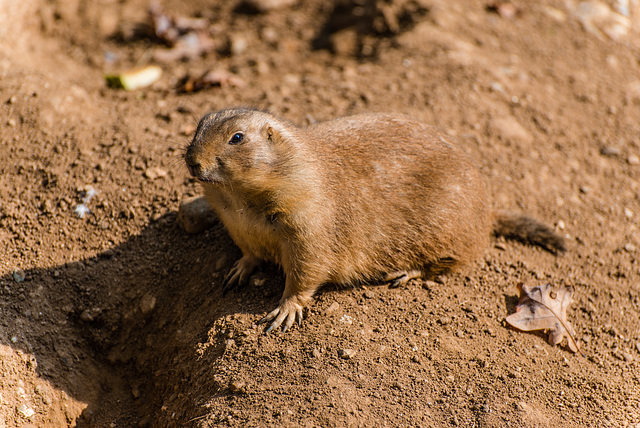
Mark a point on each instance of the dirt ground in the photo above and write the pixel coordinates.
(120, 320)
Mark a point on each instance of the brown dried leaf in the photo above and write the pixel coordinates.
(209, 79)
(545, 308)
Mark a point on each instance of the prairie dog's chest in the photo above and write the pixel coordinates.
(253, 231)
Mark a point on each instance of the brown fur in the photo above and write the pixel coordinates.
(366, 197)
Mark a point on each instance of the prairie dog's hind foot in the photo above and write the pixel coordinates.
(401, 277)
(240, 273)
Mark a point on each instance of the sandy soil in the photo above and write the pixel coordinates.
(120, 319)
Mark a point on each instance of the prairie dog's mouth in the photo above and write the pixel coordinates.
(203, 175)
(209, 180)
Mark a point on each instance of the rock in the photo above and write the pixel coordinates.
(444, 320)
(221, 262)
(238, 45)
(633, 160)
(347, 354)
(555, 14)
(19, 275)
(610, 151)
(188, 129)
(135, 392)
(155, 172)
(195, 215)
(627, 357)
(237, 386)
(345, 42)
(368, 294)
(509, 128)
(600, 20)
(25, 411)
(333, 308)
(268, 5)
(259, 282)
(147, 303)
(89, 315)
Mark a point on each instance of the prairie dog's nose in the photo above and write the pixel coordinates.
(193, 165)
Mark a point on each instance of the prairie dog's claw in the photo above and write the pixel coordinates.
(284, 315)
(239, 273)
(400, 278)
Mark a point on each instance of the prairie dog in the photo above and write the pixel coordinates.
(370, 197)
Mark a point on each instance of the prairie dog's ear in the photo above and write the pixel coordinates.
(272, 135)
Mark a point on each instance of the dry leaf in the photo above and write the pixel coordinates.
(208, 80)
(545, 308)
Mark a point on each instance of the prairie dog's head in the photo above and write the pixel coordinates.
(236, 146)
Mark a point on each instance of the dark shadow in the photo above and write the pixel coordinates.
(367, 22)
(108, 330)
(510, 303)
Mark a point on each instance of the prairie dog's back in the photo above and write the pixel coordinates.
(402, 194)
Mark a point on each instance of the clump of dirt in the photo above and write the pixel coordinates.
(117, 318)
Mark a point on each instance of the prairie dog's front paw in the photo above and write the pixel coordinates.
(240, 273)
(288, 312)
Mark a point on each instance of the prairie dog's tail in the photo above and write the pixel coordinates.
(527, 230)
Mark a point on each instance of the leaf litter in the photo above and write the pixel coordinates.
(545, 308)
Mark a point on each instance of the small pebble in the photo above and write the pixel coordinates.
(610, 151)
(633, 160)
(444, 321)
(25, 411)
(500, 246)
(238, 45)
(368, 294)
(269, 5)
(627, 357)
(89, 315)
(11, 123)
(135, 392)
(19, 275)
(147, 303)
(561, 225)
(316, 353)
(259, 282)
(347, 354)
(14, 339)
(491, 332)
(630, 248)
(155, 172)
(333, 308)
(237, 386)
(12, 100)
(628, 213)
(346, 319)
(188, 129)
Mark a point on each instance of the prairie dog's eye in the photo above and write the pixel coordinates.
(237, 138)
